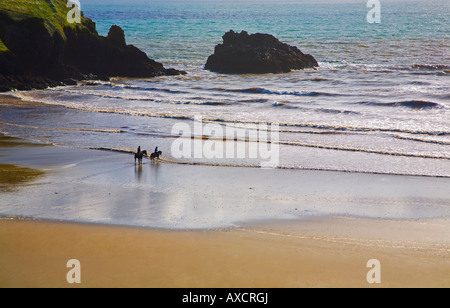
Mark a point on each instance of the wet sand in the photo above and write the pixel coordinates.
(168, 225)
(13, 176)
(92, 186)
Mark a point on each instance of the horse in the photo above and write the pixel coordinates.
(139, 155)
(155, 155)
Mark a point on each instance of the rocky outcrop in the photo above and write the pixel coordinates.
(242, 53)
(109, 56)
(39, 48)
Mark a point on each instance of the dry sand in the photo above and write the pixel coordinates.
(34, 254)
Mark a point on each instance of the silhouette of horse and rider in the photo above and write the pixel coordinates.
(139, 155)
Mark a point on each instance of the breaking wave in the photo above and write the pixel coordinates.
(274, 92)
(413, 104)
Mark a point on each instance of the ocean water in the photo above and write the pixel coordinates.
(378, 103)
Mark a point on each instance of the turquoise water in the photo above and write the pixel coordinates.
(378, 103)
(185, 32)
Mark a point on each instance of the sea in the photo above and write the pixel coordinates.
(379, 102)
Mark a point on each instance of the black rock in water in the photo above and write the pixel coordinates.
(258, 53)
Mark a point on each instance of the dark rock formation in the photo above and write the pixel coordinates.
(242, 53)
(40, 49)
(116, 37)
(109, 56)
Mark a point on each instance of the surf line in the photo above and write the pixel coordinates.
(114, 131)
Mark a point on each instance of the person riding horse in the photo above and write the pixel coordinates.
(156, 154)
(139, 155)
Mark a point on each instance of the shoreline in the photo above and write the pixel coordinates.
(421, 235)
(175, 225)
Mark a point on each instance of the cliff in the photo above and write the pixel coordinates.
(40, 48)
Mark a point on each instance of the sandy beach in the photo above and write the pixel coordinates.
(174, 225)
(34, 254)
(303, 144)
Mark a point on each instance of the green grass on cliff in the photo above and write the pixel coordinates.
(53, 12)
(3, 48)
